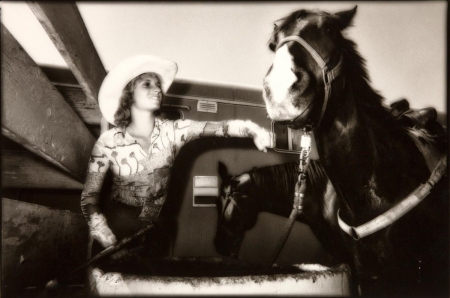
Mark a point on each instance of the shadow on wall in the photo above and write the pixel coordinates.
(180, 179)
(193, 229)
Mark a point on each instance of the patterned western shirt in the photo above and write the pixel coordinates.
(141, 178)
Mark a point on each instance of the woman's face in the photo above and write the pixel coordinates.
(147, 93)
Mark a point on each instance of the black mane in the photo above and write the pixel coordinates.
(302, 13)
(354, 64)
(355, 71)
(278, 182)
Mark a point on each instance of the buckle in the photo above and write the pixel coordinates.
(325, 76)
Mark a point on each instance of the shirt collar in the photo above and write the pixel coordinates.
(121, 136)
(156, 129)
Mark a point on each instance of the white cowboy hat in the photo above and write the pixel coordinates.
(114, 82)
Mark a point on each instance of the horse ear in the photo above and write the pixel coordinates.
(346, 17)
(223, 171)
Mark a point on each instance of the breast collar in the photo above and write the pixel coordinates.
(400, 209)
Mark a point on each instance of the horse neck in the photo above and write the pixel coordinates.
(275, 187)
(367, 156)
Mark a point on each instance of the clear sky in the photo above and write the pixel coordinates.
(404, 43)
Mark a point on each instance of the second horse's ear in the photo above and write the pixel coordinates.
(346, 17)
(223, 171)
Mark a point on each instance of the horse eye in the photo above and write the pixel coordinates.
(272, 46)
(330, 31)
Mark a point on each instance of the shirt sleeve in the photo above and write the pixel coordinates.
(188, 130)
(96, 172)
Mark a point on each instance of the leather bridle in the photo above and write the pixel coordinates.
(328, 75)
(403, 206)
(238, 239)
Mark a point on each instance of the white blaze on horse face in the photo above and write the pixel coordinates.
(227, 212)
(281, 78)
(279, 81)
(243, 178)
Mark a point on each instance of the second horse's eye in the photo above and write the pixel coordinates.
(330, 31)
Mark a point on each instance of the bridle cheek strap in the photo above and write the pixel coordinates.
(327, 75)
(403, 207)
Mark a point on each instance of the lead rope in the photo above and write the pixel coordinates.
(299, 194)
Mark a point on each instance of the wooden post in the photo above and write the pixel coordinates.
(38, 242)
(36, 115)
(23, 169)
(65, 27)
(76, 98)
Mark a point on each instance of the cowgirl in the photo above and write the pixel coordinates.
(142, 147)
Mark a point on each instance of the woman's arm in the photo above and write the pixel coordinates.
(188, 130)
(90, 197)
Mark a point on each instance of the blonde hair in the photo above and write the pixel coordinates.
(122, 117)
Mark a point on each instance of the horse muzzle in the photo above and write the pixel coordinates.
(228, 246)
(287, 89)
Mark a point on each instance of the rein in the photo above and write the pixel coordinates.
(238, 240)
(300, 188)
(328, 76)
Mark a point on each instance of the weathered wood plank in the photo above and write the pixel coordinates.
(65, 27)
(37, 242)
(23, 169)
(76, 98)
(36, 115)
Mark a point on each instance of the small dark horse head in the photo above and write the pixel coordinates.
(237, 212)
(294, 84)
(271, 189)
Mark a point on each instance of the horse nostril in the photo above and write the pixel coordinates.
(267, 94)
(222, 247)
(218, 246)
(303, 80)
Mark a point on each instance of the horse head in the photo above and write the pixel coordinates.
(308, 57)
(237, 212)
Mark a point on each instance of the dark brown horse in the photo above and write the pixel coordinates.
(318, 79)
(271, 189)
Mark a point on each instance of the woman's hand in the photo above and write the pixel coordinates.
(104, 236)
(100, 231)
(263, 139)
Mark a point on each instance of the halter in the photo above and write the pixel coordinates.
(305, 143)
(238, 240)
(327, 75)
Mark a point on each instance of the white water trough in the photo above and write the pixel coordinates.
(215, 276)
